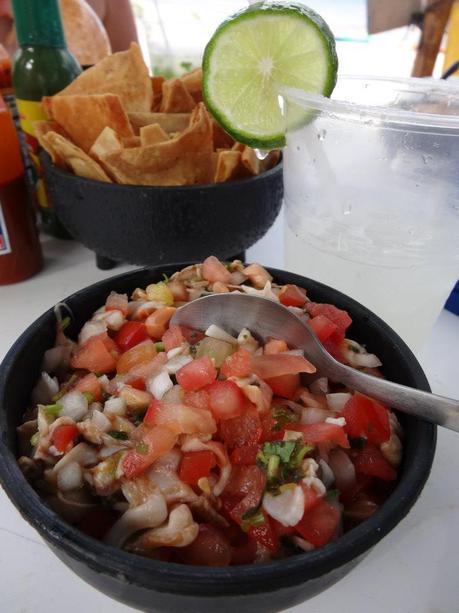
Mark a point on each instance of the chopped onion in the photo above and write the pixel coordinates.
(114, 319)
(115, 406)
(313, 415)
(287, 507)
(357, 356)
(101, 421)
(215, 332)
(337, 401)
(91, 328)
(56, 357)
(175, 364)
(342, 468)
(70, 477)
(336, 421)
(327, 475)
(159, 384)
(319, 386)
(45, 389)
(238, 277)
(175, 395)
(106, 452)
(302, 543)
(172, 353)
(74, 405)
(266, 292)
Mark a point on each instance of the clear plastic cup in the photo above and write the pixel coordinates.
(372, 195)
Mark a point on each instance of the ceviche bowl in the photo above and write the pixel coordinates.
(155, 584)
(148, 225)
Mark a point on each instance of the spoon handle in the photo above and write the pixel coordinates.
(436, 409)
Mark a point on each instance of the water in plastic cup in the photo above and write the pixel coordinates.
(372, 196)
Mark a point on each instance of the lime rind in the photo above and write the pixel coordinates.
(287, 31)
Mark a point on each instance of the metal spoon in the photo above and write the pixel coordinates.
(265, 318)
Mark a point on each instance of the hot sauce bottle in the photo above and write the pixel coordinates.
(20, 251)
(42, 67)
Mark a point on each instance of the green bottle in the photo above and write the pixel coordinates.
(42, 67)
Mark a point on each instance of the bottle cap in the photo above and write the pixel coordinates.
(38, 23)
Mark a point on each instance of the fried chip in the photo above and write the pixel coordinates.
(107, 142)
(84, 117)
(250, 161)
(228, 165)
(124, 74)
(270, 160)
(186, 159)
(152, 134)
(131, 141)
(157, 89)
(42, 128)
(176, 98)
(193, 83)
(221, 139)
(170, 122)
(74, 158)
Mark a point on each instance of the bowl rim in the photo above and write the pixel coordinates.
(201, 580)
(50, 167)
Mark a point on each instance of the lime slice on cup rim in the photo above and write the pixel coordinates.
(253, 55)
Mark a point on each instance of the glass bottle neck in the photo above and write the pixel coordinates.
(38, 23)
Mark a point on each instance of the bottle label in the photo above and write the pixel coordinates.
(30, 111)
(5, 245)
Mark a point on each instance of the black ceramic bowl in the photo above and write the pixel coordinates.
(153, 225)
(158, 586)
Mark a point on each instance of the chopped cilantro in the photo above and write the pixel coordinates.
(137, 419)
(282, 462)
(282, 449)
(159, 346)
(283, 417)
(333, 494)
(52, 410)
(119, 435)
(252, 519)
(89, 397)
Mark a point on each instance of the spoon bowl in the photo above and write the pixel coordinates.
(266, 318)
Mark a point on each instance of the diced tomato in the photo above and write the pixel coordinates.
(334, 348)
(195, 465)
(139, 354)
(237, 364)
(155, 442)
(209, 548)
(192, 335)
(321, 433)
(157, 321)
(90, 384)
(198, 399)
(361, 483)
(274, 346)
(172, 338)
(226, 399)
(243, 430)
(130, 334)
(366, 417)
(285, 385)
(98, 355)
(319, 524)
(138, 383)
(247, 484)
(196, 374)
(292, 295)
(281, 530)
(213, 270)
(117, 302)
(265, 535)
(311, 497)
(151, 413)
(244, 552)
(64, 436)
(270, 429)
(322, 326)
(268, 366)
(244, 455)
(339, 317)
(370, 461)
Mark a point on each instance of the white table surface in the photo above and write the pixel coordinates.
(415, 569)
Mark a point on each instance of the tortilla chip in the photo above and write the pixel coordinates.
(152, 134)
(170, 122)
(131, 141)
(222, 140)
(84, 117)
(238, 147)
(74, 158)
(250, 161)
(123, 74)
(157, 89)
(176, 98)
(46, 103)
(228, 165)
(193, 83)
(107, 142)
(270, 160)
(186, 159)
(85, 34)
(41, 128)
